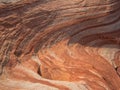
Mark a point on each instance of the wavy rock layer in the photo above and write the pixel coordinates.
(60, 45)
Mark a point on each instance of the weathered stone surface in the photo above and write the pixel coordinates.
(60, 45)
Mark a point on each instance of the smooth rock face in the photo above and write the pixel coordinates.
(8, 1)
(60, 45)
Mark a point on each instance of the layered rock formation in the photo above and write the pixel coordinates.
(60, 45)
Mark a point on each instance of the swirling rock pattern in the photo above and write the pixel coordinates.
(60, 45)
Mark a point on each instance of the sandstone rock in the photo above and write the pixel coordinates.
(60, 45)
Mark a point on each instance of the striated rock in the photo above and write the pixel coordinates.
(60, 45)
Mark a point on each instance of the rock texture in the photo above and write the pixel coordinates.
(60, 45)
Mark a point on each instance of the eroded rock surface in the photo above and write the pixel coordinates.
(60, 45)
